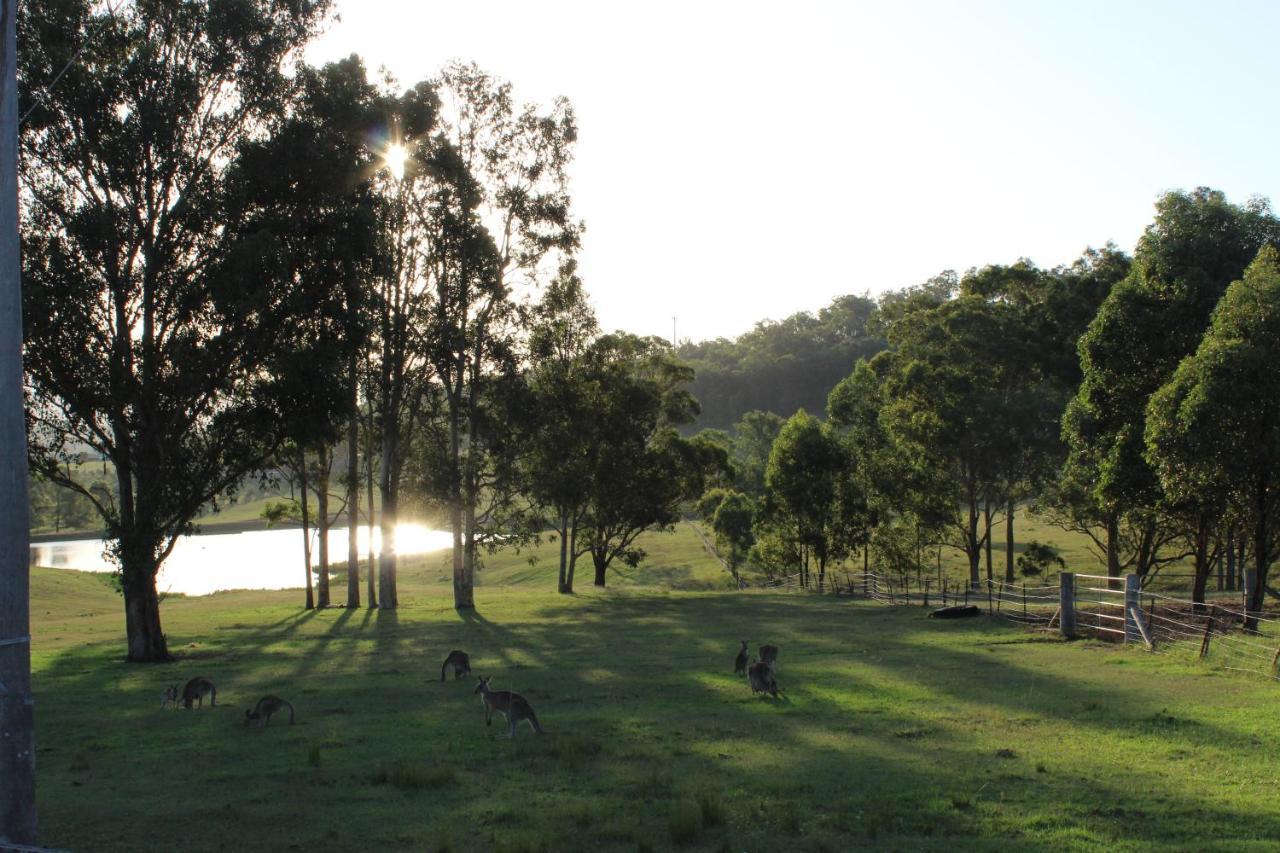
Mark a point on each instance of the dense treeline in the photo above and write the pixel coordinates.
(1128, 398)
(781, 366)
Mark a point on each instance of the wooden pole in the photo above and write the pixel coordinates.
(1134, 614)
(1208, 631)
(1067, 604)
(1132, 608)
(17, 707)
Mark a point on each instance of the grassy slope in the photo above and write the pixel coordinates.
(895, 731)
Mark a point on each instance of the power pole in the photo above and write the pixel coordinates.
(17, 712)
(674, 342)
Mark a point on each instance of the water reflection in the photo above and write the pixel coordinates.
(258, 559)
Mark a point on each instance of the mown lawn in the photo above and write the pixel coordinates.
(895, 732)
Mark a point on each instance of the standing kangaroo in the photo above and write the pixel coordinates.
(459, 661)
(267, 705)
(196, 689)
(513, 706)
(762, 681)
(769, 656)
(740, 663)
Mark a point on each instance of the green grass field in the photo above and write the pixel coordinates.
(895, 732)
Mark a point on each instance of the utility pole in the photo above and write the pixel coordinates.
(17, 712)
(674, 341)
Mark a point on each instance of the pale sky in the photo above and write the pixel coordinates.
(741, 161)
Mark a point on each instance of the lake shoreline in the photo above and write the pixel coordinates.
(213, 528)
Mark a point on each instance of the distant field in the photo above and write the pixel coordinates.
(895, 732)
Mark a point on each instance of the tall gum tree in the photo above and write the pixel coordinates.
(1197, 245)
(399, 367)
(501, 208)
(1213, 431)
(176, 260)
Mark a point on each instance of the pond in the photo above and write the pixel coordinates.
(257, 559)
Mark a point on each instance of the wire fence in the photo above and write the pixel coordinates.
(1214, 632)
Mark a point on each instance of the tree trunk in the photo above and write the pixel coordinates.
(353, 493)
(388, 487)
(1113, 545)
(573, 558)
(986, 521)
(971, 550)
(1202, 566)
(147, 643)
(17, 708)
(563, 531)
(322, 526)
(306, 529)
(1008, 542)
(1231, 559)
(602, 567)
(467, 589)
(1257, 595)
(463, 597)
(371, 594)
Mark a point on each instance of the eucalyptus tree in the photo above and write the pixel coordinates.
(733, 523)
(1150, 321)
(639, 471)
(179, 256)
(399, 364)
(563, 443)
(809, 501)
(499, 209)
(1213, 430)
(946, 396)
(753, 437)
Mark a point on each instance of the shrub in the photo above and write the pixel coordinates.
(1037, 558)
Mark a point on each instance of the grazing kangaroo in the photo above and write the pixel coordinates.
(769, 656)
(170, 694)
(195, 691)
(459, 661)
(762, 681)
(267, 705)
(740, 663)
(513, 706)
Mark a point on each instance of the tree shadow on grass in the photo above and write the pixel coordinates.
(890, 737)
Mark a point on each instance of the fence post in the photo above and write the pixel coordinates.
(989, 585)
(926, 593)
(1132, 605)
(1067, 604)
(1208, 631)
(1024, 599)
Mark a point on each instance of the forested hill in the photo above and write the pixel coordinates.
(782, 366)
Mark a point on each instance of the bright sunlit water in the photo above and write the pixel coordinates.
(258, 559)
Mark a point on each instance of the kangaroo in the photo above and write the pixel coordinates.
(459, 661)
(513, 706)
(740, 663)
(170, 694)
(760, 674)
(267, 705)
(769, 656)
(195, 690)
